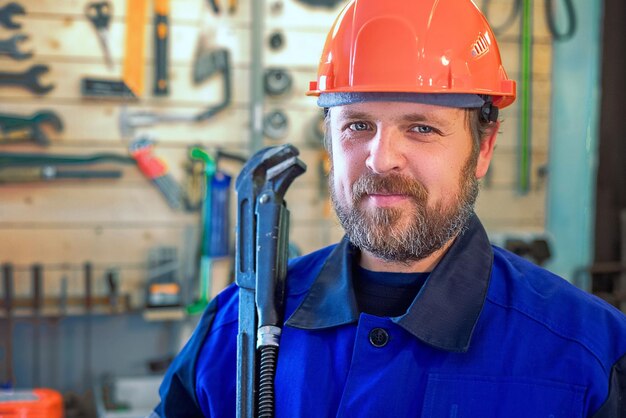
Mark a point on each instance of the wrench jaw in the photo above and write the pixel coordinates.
(265, 166)
(43, 121)
(10, 47)
(49, 118)
(28, 79)
(29, 128)
(33, 76)
(16, 53)
(7, 13)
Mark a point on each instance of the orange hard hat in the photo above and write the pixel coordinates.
(413, 46)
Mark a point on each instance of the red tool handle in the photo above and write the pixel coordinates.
(151, 166)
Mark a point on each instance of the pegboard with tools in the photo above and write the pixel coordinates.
(109, 95)
(105, 101)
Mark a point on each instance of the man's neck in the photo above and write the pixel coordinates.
(371, 262)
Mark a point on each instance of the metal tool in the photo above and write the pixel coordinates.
(329, 4)
(20, 128)
(207, 62)
(132, 83)
(163, 287)
(113, 284)
(48, 173)
(277, 81)
(7, 12)
(261, 269)
(53, 339)
(161, 36)
(28, 79)
(194, 184)
(276, 40)
(275, 125)
(206, 261)
(37, 289)
(256, 94)
(63, 296)
(88, 280)
(10, 48)
(130, 120)
(156, 170)
(7, 278)
(99, 13)
(215, 5)
(12, 159)
(221, 58)
(106, 89)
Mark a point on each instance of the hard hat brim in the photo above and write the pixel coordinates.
(457, 100)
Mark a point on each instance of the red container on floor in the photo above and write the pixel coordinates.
(34, 403)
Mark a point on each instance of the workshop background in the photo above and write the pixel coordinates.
(117, 169)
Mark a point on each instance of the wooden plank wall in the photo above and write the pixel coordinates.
(113, 223)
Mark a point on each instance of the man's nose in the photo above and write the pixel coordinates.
(385, 154)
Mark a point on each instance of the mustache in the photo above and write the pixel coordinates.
(388, 184)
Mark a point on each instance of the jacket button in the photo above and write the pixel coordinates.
(379, 337)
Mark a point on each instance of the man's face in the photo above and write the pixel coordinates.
(404, 178)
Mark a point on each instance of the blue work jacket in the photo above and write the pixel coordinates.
(488, 335)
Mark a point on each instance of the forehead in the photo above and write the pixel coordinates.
(398, 112)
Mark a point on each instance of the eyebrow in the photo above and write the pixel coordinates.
(423, 117)
(353, 114)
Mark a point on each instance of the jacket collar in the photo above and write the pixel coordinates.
(443, 314)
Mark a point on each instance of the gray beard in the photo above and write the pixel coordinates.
(391, 234)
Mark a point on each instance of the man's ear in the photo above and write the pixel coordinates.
(486, 151)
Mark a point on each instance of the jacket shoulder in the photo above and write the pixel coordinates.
(565, 310)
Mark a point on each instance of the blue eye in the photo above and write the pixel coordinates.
(359, 126)
(423, 129)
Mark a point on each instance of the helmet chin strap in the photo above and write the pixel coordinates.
(488, 111)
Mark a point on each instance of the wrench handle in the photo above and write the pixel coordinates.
(28, 79)
(18, 79)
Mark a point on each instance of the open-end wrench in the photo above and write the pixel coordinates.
(10, 47)
(28, 79)
(6, 15)
(19, 128)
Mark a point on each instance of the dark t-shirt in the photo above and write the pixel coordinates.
(386, 294)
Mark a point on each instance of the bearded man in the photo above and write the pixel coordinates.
(414, 313)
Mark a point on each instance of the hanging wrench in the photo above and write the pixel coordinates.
(6, 15)
(19, 128)
(28, 79)
(10, 47)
